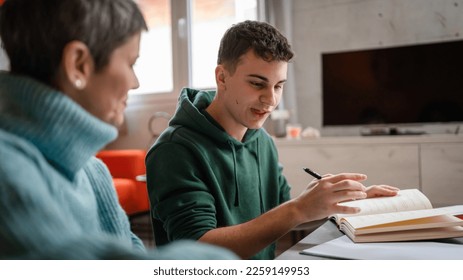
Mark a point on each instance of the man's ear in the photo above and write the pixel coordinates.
(220, 72)
(77, 64)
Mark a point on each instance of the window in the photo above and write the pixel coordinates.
(165, 59)
(210, 19)
(154, 66)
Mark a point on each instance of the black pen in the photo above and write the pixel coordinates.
(313, 173)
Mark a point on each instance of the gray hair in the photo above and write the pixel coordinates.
(34, 33)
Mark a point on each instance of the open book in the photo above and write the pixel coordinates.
(407, 216)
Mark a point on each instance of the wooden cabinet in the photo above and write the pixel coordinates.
(442, 172)
(434, 164)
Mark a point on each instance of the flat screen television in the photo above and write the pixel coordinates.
(417, 84)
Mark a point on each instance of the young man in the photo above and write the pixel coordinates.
(214, 176)
(71, 69)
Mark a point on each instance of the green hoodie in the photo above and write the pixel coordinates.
(200, 178)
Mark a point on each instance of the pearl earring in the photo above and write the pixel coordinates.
(79, 84)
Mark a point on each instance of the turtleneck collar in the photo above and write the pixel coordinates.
(66, 134)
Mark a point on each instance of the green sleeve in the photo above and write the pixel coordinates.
(178, 192)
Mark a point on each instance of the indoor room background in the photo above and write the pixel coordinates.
(314, 28)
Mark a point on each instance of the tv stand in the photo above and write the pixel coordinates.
(383, 131)
(432, 163)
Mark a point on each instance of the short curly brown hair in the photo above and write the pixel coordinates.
(266, 41)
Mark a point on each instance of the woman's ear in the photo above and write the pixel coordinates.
(77, 64)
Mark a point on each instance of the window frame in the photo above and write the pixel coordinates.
(181, 54)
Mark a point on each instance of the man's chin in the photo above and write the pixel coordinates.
(256, 125)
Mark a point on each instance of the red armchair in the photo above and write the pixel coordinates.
(125, 166)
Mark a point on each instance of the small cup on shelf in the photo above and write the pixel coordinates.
(293, 131)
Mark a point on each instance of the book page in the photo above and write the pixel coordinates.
(410, 235)
(405, 200)
(425, 218)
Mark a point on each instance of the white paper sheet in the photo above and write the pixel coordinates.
(344, 248)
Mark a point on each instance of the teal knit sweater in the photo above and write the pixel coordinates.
(56, 199)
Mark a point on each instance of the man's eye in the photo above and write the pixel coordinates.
(257, 85)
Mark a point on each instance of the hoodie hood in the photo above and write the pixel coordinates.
(190, 113)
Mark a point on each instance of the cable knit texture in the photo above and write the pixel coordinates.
(56, 199)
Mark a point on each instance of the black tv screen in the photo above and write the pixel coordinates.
(398, 85)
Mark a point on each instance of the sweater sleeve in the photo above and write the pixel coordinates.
(113, 219)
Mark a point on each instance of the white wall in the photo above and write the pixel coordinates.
(338, 25)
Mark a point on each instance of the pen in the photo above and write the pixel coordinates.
(313, 173)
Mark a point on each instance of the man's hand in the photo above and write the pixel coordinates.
(381, 190)
(322, 197)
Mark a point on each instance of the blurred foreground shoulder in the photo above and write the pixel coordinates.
(192, 250)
